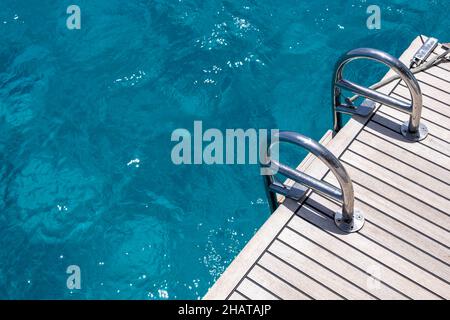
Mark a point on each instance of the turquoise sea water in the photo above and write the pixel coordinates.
(77, 106)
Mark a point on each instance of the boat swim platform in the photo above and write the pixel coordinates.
(402, 188)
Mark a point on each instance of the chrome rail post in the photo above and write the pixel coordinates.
(271, 195)
(412, 129)
(349, 219)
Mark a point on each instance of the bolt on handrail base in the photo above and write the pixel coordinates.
(419, 135)
(352, 226)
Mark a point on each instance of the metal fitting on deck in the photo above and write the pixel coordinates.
(348, 220)
(412, 129)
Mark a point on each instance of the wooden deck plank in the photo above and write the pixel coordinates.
(404, 225)
(428, 102)
(302, 261)
(428, 114)
(251, 253)
(237, 296)
(434, 81)
(432, 287)
(401, 197)
(312, 229)
(445, 66)
(274, 284)
(298, 279)
(406, 170)
(432, 202)
(434, 141)
(391, 241)
(379, 127)
(386, 206)
(342, 268)
(438, 72)
(433, 126)
(420, 163)
(420, 222)
(437, 94)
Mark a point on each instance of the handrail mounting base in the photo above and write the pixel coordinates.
(296, 192)
(421, 133)
(352, 226)
(363, 110)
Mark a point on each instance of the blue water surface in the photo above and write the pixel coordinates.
(78, 106)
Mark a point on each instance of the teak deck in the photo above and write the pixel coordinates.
(403, 190)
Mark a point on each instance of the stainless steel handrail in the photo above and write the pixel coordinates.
(348, 220)
(412, 129)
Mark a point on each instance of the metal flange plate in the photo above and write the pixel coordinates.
(349, 227)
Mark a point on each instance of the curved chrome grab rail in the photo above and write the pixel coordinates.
(348, 220)
(412, 129)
